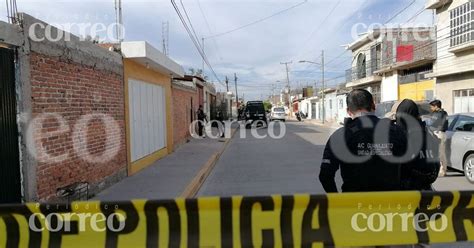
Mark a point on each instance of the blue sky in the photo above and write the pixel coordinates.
(255, 52)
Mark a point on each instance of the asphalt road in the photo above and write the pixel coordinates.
(256, 167)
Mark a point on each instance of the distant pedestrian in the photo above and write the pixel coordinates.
(221, 126)
(422, 170)
(439, 124)
(364, 163)
(202, 119)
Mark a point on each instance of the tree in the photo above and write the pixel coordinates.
(267, 105)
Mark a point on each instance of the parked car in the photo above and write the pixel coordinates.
(278, 114)
(255, 111)
(382, 109)
(460, 144)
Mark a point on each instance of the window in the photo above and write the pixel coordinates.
(376, 92)
(464, 123)
(361, 66)
(462, 24)
(341, 103)
(463, 101)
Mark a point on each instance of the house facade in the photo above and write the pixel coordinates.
(393, 64)
(454, 68)
(148, 103)
(366, 58)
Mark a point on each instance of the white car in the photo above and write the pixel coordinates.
(460, 144)
(278, 114)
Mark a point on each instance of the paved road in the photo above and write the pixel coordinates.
(454, 180)
(255, 167)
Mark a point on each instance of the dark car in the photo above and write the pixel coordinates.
(382, 109)
(255, 111)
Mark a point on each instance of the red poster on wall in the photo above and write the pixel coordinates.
(404, 53)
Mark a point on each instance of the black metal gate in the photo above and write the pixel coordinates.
(10, 184)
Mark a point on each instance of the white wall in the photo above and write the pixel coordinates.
(341, 108)
(330, 106)
(448, 62)
(389, 87)
(304, 106)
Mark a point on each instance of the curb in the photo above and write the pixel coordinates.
(196, 183)
(334, 127)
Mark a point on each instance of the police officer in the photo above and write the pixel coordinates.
(421, 171)
(439, 125)
(367, 162)
(202, 118)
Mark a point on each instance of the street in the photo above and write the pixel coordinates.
(257, 167)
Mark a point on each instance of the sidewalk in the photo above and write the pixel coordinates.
(169, 177)
(331, 125)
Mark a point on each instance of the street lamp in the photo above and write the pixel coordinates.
(323, 83)
(310, 62)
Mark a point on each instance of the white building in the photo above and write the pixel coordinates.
(454, 68)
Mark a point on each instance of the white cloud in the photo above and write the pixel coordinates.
(254, 53)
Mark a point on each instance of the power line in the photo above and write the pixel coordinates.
(257, 21)
(209, 29)
(401, 11)
(390, 19)
(194, 40)
(321, 23)
(189, 20)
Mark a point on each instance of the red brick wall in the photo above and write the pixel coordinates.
(182, 113)
(73, 90)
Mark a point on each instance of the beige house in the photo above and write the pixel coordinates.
(454, 68)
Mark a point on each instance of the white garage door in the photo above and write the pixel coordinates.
(464, 101)
(147, 118)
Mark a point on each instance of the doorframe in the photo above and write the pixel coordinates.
(18, 121)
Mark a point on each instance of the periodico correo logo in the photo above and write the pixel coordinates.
(59, 222)
(396, 222)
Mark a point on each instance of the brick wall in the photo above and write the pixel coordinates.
(182, 113)
(94, 153)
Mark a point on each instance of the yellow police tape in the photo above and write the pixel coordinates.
(277, 221)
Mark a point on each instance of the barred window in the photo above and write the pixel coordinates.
(462, 24)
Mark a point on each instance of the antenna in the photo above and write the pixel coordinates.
(119, 20)
(12, 11)
(165, 32)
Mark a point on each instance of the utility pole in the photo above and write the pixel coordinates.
(323, 86)
(273, 94)
(236, 92)
(227, 84)
(165, 29)
(288, 81)
(202, 46)
(229, 106)
(119, 20)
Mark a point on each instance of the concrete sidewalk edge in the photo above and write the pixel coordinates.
(195, 185)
